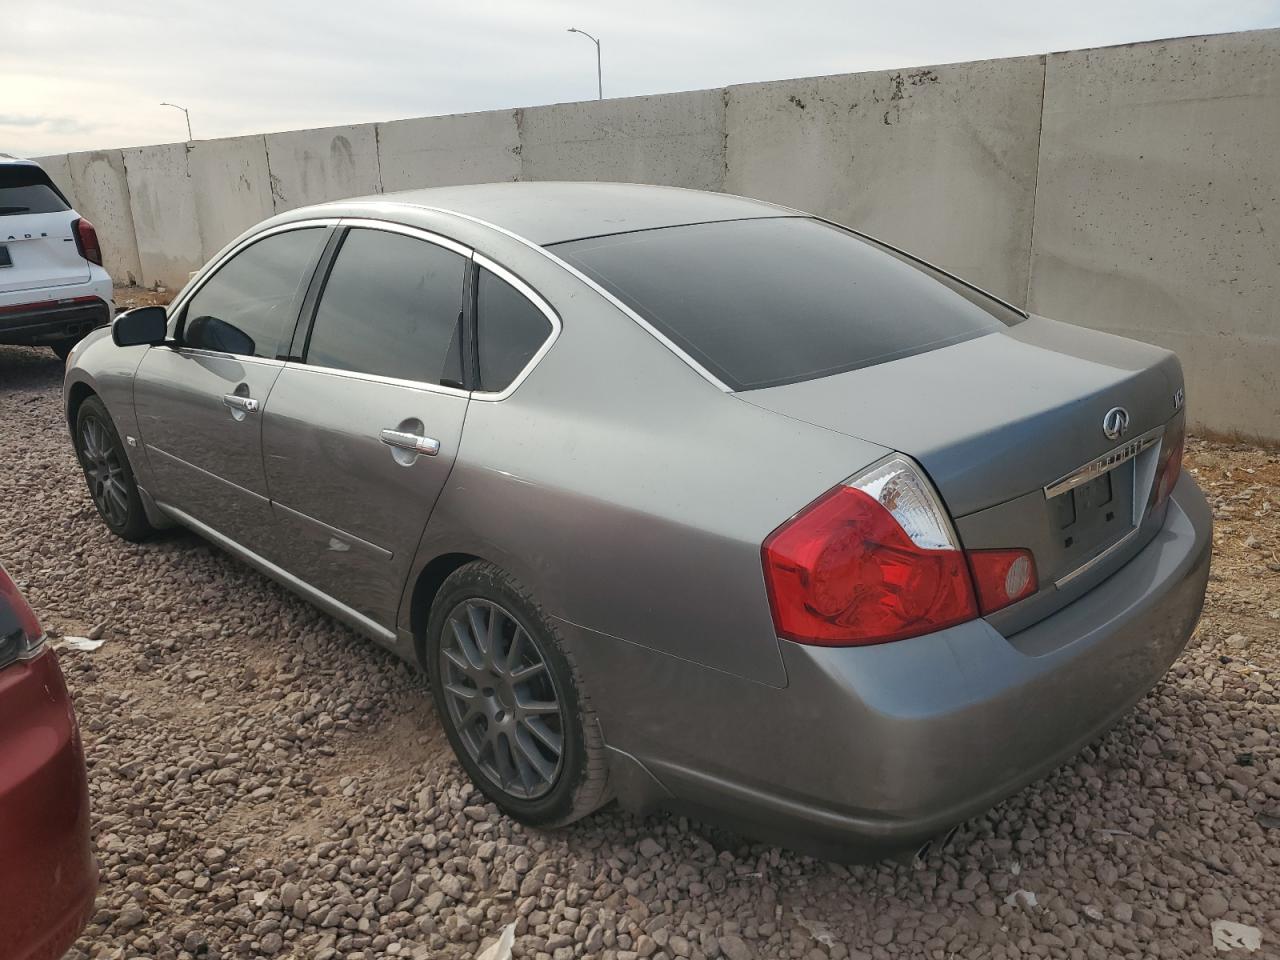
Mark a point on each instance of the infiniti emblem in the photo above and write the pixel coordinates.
(1116, 423)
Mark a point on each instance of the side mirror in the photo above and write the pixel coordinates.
(140, 326)
(210, 333)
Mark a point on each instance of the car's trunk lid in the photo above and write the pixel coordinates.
(37, 238)
(997, 419)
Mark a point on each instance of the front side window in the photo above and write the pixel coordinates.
(392, 307)
(249, 306)
(25, 189)
(781, 299)
(509, 331)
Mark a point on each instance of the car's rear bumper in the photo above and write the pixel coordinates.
(55, 314)
(48, 878)
(872, 750)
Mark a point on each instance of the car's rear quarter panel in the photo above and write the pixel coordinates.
(631, 495)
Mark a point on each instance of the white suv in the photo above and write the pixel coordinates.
(53, 289)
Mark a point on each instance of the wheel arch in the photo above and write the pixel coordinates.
(425, 589)
(77, 394)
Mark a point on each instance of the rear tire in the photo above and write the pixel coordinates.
(108, 473)
(63, 348)
(511, 701)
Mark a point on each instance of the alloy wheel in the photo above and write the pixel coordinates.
(502, 699)
(105, 471)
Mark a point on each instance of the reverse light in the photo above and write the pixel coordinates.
(20, 632)
(873, 560)
(87, 241)
(1002, 577)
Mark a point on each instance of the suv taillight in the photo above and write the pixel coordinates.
(87, 241)
(20, 633)
(874, 560)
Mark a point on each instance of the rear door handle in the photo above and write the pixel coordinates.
(412, 442)
(237, 402)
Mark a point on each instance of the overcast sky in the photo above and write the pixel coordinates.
(84, 74)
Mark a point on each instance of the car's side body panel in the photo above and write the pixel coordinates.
(348, 508)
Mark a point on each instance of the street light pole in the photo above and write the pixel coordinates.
(599, 80)
(186, 113)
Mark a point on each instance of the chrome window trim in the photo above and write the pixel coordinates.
(545, 308)
(418, 233)
(564, 265)
(376, 378)
(211, 268)
(220, 355)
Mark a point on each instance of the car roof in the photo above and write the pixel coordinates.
(548, 212)
(10, 160)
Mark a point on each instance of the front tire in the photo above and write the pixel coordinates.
(108, 473)
(511, 702)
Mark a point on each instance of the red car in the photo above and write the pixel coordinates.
(47, 874)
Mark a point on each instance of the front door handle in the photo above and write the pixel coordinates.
(414, 443)
(237, 402)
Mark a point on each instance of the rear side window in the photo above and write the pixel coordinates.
(249, 306)
(392, 307)
(778, 300)
(509, 331)
(26, 189)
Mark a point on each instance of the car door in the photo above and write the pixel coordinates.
(360, 435)
(199, 402)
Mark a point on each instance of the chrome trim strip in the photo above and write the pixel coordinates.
(220, 355)
(380, 552)
(419, 233)
(376, 378)
(653, 331)
(543, 306)
(1093, 562)
(1104, 464)
(319, 598)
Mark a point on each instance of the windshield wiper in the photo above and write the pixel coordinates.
(4, 210)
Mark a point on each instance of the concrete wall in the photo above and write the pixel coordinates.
(676, 140)
(163, 200)
(1133, 189)
(312, 166)
(939, 160)
(232, 186)
(446, 151)
(1158, 211)
(102, 195)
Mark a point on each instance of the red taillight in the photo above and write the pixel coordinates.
(1170, 466)
(87, 241)
(1002, 577)
(20, 632)
(846, 571)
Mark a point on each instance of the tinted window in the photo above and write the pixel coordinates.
(509, 331)
(777, 300)
(249, 306)
(26, 189)
(393, 307)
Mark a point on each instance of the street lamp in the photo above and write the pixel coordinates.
(599, 82)
(188, 116)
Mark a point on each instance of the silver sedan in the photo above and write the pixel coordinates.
(678, 498)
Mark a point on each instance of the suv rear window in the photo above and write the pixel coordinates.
(778, 300)
(26, 189)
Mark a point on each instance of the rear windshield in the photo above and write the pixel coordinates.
(778, 300)
(26, 189)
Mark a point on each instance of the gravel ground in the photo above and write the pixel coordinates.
(266, 783)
